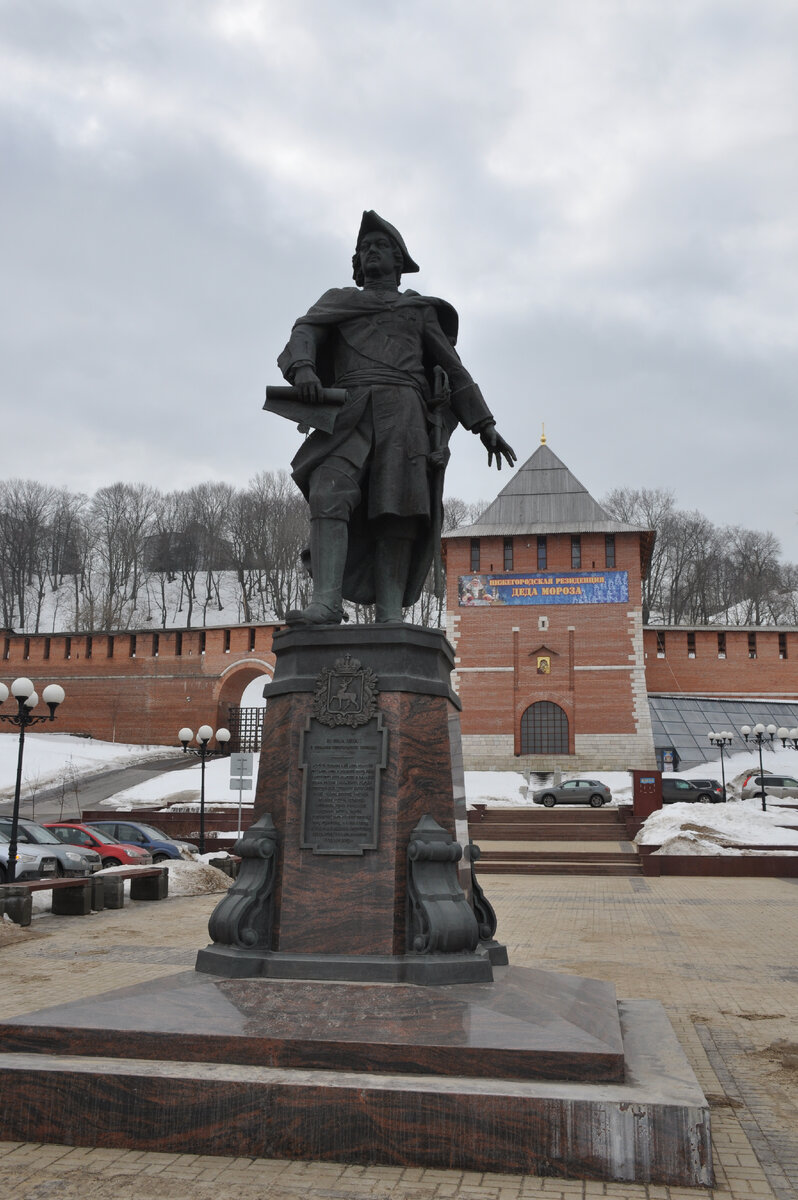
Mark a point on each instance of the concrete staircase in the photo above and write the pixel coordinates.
(553, 841)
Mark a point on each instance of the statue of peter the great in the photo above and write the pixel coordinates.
(374, 483)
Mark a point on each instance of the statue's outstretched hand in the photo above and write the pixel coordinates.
(495, 444)
(308, 384)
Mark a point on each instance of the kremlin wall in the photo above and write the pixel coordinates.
(554, 668)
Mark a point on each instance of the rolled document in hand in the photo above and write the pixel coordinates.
(285, 402)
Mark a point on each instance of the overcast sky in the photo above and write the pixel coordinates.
(607, 192)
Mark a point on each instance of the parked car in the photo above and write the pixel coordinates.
(711, 788)
(70, 860)
(112, 852)
(137, 833)
(675, 790)
(574, 791)
(33, 862)
(776, 785)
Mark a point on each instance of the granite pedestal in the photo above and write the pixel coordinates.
(537, 1073)
(345, 785)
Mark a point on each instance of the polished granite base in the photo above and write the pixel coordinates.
(538, 1072)
(231, 962)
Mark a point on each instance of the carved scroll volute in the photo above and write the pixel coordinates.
(483, 909)
(441, 920)
(244, 917)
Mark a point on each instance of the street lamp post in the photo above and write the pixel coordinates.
(204, 735)
(759, 735)
(721, 740)
(788, 735)
(25, 695)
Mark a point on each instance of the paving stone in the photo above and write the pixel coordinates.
(713, 951)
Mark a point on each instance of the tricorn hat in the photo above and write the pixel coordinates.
(373, 223)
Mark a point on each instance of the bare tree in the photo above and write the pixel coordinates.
(121, 520)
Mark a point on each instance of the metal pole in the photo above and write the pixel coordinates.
(760, 738)
(722, 772)
(12, 846)
(202, 800)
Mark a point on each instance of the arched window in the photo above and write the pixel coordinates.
(544, 729)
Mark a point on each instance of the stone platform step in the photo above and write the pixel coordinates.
(557, 862)
(546, 824)
(168, 1066)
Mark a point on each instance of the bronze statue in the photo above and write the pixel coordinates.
(374, 480)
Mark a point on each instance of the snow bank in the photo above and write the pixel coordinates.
(181, 789)
(196, 878)
(718, 828)
(187, 877)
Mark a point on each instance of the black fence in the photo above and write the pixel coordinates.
(246, 728)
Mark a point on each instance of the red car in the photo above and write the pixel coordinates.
(113, 852)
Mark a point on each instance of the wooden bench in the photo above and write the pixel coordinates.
(78, 897)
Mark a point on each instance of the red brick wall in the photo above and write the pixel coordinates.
(118, 688)
(736, 674)
(578, 636)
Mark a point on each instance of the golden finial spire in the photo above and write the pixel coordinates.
(543, 433)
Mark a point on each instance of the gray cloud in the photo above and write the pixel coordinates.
(606, 192)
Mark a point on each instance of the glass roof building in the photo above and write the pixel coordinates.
(680, 724)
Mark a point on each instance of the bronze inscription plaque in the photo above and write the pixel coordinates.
(341, 786)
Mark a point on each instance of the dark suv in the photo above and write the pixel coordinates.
(675, 790)
(712, 787)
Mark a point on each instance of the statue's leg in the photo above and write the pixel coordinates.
(334, 493)
(394, 549)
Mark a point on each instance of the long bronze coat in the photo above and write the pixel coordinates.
(382, 347)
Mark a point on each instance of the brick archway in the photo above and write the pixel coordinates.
(235, 679)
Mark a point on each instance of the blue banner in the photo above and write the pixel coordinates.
(548, 587)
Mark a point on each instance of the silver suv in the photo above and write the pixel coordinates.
(574, 791)
(33, 862)
(774, 785)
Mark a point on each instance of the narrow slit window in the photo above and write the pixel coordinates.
(576, 553)
(609, 550)
(721, 645)
(782, 645)
(691, 645)
(660, 643)
(752, 645)
(542, 553)
(508, 554)
(475, 555)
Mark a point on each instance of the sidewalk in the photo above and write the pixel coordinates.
(719, 953)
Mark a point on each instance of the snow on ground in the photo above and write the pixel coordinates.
(191, 877)
(509, 789)
(51, 759)
(719, 828)
(183, 788)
